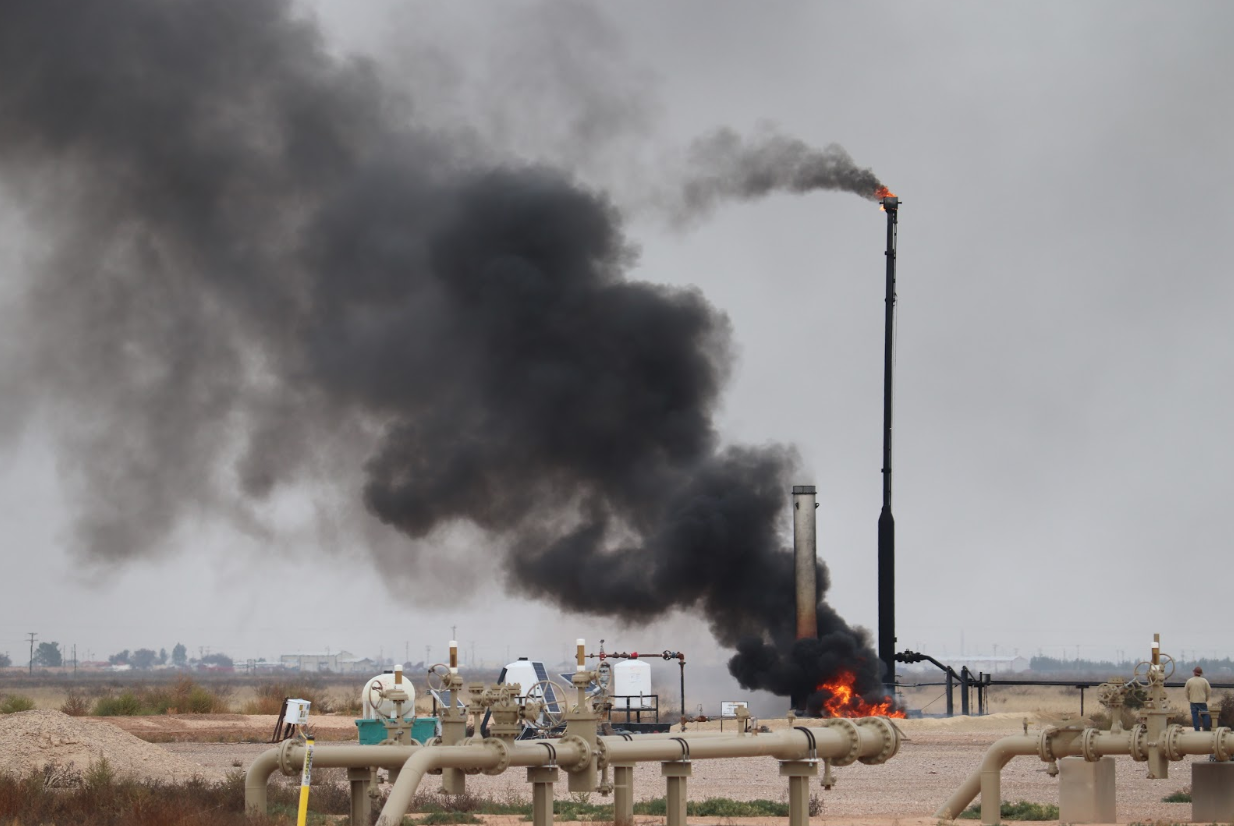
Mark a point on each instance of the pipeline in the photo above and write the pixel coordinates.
(871, 740)
(1089, 743)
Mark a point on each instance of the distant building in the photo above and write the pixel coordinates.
(344, 662)
(989, 665)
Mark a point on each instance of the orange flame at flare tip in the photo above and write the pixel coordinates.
(883, 192)
(844, 702)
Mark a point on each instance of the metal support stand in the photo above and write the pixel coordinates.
(675, 794)
(623, 795)
(799, 773)
(541, 779)
(361, 803)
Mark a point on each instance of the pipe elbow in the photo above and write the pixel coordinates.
(256, 780)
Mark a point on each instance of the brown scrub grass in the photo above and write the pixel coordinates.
(52, 796)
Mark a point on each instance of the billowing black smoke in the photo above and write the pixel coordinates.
(258, 268)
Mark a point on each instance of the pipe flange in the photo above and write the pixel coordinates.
(601, 755)
(891, 739)
(1045, 744)
(1088, 745)
(503, 761)
(1220, 747)
(471, 741)
(854, 739)
(285, 765)
(1137, 740)
(1171, 750)
(584, 751)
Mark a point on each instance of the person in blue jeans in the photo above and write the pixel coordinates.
(1198, 691)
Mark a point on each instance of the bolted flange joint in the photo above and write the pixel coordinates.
(1171, 747)
(503, 762)
(1221, 743)
(1088, 745)
(1139, 743)
(891, 739)
(584, 751)
(285, 765)
(854, 739)
(1045, 744)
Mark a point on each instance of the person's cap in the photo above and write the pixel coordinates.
(1198, 670)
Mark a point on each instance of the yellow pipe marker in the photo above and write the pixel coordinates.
(305, 776)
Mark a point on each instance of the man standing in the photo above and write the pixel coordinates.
(1198, 691)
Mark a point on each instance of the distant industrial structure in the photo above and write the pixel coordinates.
(343, 662)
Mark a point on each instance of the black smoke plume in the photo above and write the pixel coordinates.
(256, 267)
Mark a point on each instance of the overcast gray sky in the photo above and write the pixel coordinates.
(1063, 361)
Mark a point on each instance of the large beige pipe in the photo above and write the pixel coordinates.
(1088, 743)
(872, 740)
(290, 755)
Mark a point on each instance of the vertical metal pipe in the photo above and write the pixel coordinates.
(681, 662)
(964, 691)
(950, 699)
(886, 522)
(805, 554)
(623, 795)
(675, 794)
(991, 796)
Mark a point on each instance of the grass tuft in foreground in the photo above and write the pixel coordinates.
(13, 703)
(1022, 810)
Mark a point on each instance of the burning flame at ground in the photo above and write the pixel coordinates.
(844, 702)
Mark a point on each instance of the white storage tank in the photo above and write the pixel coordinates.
(384, 707)
(632, 686)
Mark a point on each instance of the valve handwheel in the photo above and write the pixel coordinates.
(437, 674)
(546, 692)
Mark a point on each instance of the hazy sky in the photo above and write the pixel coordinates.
(1063, 359)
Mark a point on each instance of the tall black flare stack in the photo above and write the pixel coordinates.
(886, 522)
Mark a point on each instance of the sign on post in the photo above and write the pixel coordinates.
(728, 708)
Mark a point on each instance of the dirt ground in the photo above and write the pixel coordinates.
(937, 755)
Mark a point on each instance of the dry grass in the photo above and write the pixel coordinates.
(53, 796)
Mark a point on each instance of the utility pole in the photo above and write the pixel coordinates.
(32, 635)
